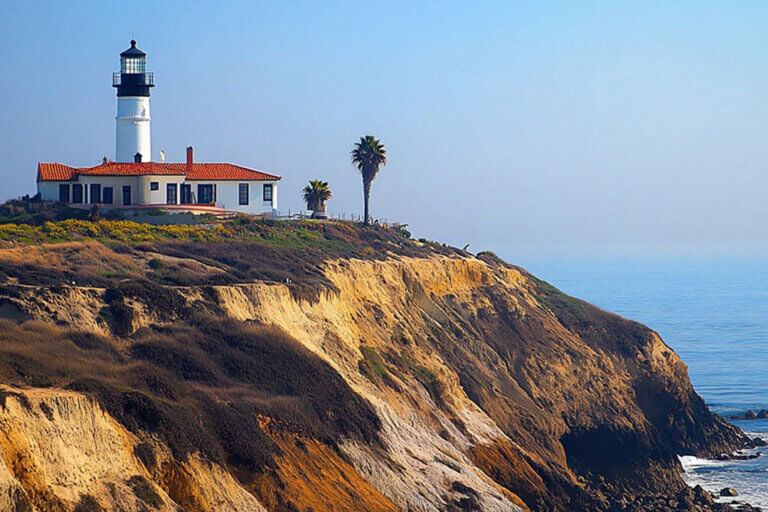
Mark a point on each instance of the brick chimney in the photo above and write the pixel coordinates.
(190, 158)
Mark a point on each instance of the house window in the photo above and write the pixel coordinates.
(64, 193)
(106, 195)
(205, 194)
(243, 193)
(77, 193)
(95, 193)
(268, 193)
(154, 185)
(170, 195)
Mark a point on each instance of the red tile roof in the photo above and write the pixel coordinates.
(198, 171)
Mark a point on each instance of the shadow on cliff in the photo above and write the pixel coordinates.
(199, 386)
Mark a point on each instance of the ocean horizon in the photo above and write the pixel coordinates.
(714, 313)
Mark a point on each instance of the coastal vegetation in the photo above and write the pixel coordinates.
(218, 252)
(337, 236)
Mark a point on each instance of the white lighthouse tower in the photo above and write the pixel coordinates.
(133, 143)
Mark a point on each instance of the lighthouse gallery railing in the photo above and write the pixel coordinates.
(140, 79)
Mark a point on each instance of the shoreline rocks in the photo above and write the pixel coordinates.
(737, 456)
(762, 414)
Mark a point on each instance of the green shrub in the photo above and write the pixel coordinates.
(156, 264)
(33, 211)
(371, 365)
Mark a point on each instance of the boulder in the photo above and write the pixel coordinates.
(728, 491)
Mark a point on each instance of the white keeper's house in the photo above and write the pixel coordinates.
(134, 181)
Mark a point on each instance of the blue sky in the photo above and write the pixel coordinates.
(566, 128)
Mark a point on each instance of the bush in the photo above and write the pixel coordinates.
(156, 263)
(145, 491)
(33, 211)
(146, 454)
(122, 317)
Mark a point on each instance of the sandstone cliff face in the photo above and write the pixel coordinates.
(427, 383)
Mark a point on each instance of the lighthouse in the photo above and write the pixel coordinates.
(134, 182)
(133, 142)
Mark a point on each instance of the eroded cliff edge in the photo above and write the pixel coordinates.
(413, 380)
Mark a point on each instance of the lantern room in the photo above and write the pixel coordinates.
(133, 79)
(133, 60)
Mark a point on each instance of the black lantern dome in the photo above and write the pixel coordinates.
(133, 51)
(133, 79)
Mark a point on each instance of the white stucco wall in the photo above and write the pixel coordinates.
(49, 190)
(228, 195)
(116, 182)
(227, 192)
(132, 130)
(159, 196)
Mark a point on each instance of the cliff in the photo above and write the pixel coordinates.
(239, 375)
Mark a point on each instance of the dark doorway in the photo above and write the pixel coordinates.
(126, 195)
(170, 195)
(205, 194)
(77, 193)
(186, 194)
(95, 193)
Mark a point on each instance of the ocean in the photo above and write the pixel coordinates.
(714, 314)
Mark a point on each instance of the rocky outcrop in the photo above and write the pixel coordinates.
(446, 382)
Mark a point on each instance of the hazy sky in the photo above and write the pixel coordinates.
(570, 127)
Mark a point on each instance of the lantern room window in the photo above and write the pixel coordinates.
(133, 65)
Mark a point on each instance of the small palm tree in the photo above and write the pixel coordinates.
(315, 195)
(368, 155)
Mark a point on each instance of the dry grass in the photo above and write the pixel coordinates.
(86, 263)
(108, 253)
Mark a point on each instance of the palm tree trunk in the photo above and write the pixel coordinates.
(366, 198)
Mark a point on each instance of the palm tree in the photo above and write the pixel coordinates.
(315, 195)
(369, 154)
